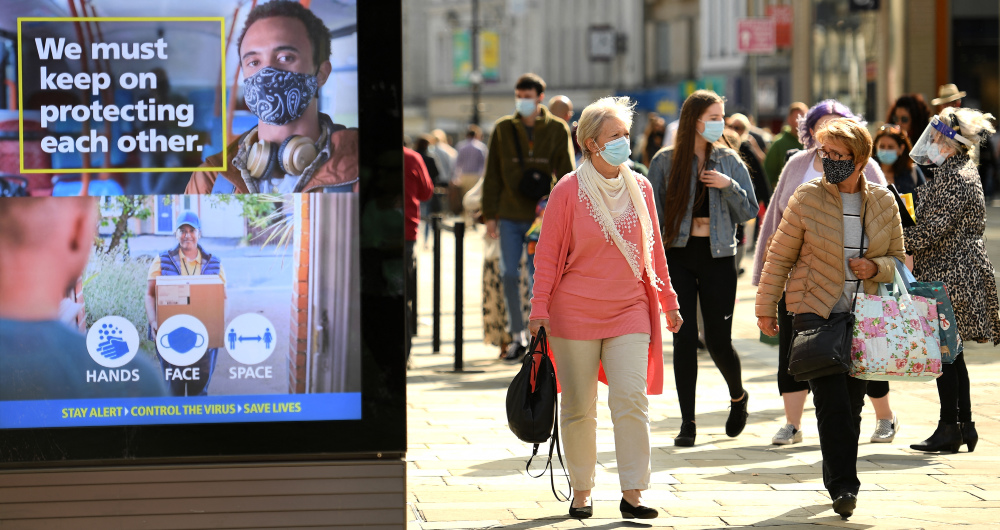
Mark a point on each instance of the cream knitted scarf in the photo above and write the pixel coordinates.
(617, 205)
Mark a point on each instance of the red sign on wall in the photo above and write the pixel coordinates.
(782, 16)
(756, 35)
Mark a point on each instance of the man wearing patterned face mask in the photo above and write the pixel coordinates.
(284, 52)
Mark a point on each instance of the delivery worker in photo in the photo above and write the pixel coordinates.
(188, 258)
(284, 53)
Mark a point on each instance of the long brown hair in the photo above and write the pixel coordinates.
(677, 192)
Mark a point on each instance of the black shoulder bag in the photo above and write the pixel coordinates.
(534, 183)
(531, 406)
(826, 348)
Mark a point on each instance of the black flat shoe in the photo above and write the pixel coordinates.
(686, 437)
(637, 512)
(947, 437)
(582, 512)
(844, 505)
(969, 434)
(737, 416)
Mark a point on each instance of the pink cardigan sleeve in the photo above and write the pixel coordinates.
(666, 294)
(552, 242)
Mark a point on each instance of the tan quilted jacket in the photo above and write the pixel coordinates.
(809, 243)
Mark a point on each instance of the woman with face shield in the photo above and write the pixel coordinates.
(947, 246)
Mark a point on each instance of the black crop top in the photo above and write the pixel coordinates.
(700, 207)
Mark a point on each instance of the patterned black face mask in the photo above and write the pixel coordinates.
(277, 97)
(837, 171)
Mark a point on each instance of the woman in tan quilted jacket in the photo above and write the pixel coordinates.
(817, 251)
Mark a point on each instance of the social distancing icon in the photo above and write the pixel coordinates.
(250, 338)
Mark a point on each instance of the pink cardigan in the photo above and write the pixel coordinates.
(550, 263)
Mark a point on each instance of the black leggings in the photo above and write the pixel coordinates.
(953, 390)
(696, 275)
(787, 383)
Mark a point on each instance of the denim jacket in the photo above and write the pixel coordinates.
(727, 207)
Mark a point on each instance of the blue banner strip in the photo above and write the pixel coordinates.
(178, 410)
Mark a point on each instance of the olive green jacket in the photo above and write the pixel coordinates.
(551, 151)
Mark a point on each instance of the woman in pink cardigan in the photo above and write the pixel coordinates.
(600, 283)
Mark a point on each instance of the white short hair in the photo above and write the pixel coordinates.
(593, 117)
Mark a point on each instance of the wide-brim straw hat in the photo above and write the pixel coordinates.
(947, 94)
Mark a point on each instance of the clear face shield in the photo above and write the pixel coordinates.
(937, 143)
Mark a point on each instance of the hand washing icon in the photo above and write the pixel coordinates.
(182, 340)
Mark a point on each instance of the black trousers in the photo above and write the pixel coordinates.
(696, 275)
(786, 383)
(839, 399)
(953, 390)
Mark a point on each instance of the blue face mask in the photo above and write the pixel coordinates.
(888, 156)
(713, 130)
(525, 106)
(616, 152)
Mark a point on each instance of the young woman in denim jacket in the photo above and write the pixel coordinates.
(701, 192)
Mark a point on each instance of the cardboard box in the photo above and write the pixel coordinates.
(201, 296)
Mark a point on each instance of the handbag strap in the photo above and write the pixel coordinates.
(861, 253)
(542, 340)
(517, 145)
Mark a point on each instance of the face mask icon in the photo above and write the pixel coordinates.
(182, 340)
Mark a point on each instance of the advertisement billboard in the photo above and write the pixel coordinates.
(182, 253)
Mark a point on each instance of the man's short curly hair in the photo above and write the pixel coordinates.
(319, 34)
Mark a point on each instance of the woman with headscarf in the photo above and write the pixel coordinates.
(601, 281)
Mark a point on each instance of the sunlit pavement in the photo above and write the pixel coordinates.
(467, 470)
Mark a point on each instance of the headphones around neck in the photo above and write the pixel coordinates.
(292, 157)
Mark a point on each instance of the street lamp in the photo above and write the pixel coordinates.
(476, 80)
(475, 77)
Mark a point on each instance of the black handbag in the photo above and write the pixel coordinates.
(534, 183)
(531, 405)
(823, 347)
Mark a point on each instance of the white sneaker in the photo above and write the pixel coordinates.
(885, 430)
(787, 435)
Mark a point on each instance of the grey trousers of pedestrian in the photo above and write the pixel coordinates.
(625, 360)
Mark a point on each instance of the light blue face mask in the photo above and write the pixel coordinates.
(616, 152)
(713, 130)
(525, 106)
(888, 156)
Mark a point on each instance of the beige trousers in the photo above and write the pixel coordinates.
(625, 362)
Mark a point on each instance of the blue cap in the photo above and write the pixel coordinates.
(188, 218)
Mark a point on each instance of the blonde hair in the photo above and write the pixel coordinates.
(593, 117)
(852, 134)
(972, 124)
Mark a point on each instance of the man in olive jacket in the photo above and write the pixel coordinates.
(546, 145)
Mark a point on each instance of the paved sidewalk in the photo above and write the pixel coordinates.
(466, 469)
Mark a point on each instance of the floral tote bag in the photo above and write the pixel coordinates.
(896, 336)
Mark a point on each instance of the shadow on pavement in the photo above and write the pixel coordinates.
(541, 523)
(792, 519)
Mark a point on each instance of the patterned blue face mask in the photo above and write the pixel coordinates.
(278, 97)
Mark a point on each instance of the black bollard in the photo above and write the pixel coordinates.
(459, 295)
(436, 328)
